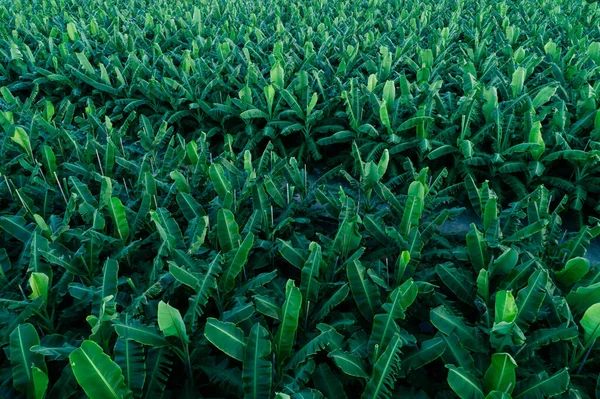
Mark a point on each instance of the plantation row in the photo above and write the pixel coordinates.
(265, 199)
(497, 90)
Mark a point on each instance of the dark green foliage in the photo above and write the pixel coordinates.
(268, 199)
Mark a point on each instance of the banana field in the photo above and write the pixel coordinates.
(325, 199)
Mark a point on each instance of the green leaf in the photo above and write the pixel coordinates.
(220, 182)
(457, 355)
(309, 285)
(497, 395)
(384, 325)
(542, 386)
(584, 297)
(291, 254)
(328, 339)
(389, 95)
(267, 306)
(239, 260)
(574, 271)
(39, 381)
(226, 336)
(530, 299)
(457, 281)
(22, 139)
(591, 324)
(96, 373)
(364, 291)
(15, 226)
(136, 331)
(463, 383)
(500, 375)
(477, 248)
(158, 369)
(506, 308)
(349, 363)
(431, 349)
(180, 182)
(170, 322)
(334, 299)
(227, 230)
(543, 96)
(117, 214)
(257, 373)
(414, 207)
(39, 286)
(110, 279)
(22, 339)
(546, 336)
(286, 334)
(518, 79)
(49, 160)
(129, 356)
(448, 324)
(385, 371)
(504, 263)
